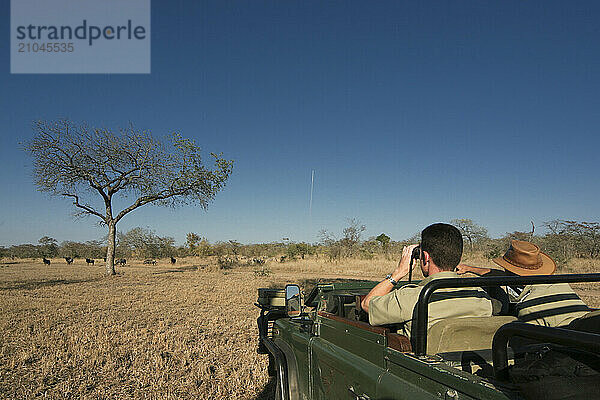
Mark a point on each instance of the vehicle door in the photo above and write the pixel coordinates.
(346, 358)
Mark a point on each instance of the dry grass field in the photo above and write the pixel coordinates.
(155, 332)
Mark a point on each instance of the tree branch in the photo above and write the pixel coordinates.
(149, 199)
(84, 207)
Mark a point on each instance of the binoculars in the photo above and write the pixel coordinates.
(416, 254)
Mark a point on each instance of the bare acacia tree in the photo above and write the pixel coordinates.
(576, 238)
(347, 245)
(352, 234)
(85, 163)
(470, 230)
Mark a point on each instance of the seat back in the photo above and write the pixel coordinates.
(464, 334)
(588, 323)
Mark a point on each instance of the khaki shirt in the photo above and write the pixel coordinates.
(398, 305)
(550, 305)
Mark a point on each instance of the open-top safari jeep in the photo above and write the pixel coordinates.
(321, 347)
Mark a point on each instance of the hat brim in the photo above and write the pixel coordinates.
(547, 268)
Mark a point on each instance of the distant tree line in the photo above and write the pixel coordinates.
(563, 240)
(137, 243)
(49, 247)
(197, 245)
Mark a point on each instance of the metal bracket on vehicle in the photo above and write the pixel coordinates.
(358, 396)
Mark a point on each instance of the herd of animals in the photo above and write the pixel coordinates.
(123, 261)
(118, 261)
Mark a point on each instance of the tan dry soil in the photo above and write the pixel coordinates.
(151, 332)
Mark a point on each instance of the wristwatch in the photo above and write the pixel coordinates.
(392, 281)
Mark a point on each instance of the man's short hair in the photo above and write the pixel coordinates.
(444, 243)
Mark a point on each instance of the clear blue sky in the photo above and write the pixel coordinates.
(409, 113)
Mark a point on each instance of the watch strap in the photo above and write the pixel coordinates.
(392, 281)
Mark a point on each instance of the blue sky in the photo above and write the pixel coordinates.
(409, 112)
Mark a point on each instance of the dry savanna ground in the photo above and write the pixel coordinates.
(156, 332)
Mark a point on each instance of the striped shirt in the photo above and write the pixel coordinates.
(550, 305)
(398, 305)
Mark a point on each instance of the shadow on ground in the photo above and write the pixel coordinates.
(268, 392)
(182, 269)
(32, 285)
(310, 283)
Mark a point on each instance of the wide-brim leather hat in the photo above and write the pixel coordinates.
(525, 258)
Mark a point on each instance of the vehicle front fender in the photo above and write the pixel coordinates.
(291, 367)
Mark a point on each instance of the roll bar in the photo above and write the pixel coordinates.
(419, 329)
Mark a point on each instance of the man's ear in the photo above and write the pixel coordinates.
(426, 257)
(425, 263)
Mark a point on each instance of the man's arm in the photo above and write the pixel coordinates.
(385, 286)
(464, 268)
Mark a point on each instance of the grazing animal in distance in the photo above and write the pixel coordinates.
(120, 261)
(69, 260)
(150, 261)
(46, 261)
(89, 261)
(173, 260)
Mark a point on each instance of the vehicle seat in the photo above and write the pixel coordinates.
(590, 322)
(466, 342)
(462, 334)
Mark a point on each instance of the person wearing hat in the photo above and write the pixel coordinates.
(545, 304)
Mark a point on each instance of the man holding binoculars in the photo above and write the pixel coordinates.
(439, 253)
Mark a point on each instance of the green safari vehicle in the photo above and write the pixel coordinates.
(320, 346)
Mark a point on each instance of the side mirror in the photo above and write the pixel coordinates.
(293, 301)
